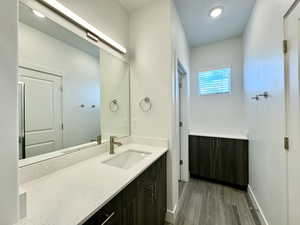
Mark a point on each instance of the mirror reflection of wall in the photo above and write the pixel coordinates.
(115, 110)
(61, 73)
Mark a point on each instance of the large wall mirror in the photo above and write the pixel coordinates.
(71, 92)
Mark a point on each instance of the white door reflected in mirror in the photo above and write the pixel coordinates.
(43, 112)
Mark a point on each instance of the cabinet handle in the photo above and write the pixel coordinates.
(155, 191)
(108, 218)
(151, 188)
(153, 194)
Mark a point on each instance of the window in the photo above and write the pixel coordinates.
(214, 81)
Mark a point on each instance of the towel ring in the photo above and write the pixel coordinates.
(146, 104)
(114, 106)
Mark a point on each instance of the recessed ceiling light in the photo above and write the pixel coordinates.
(216, 12)
(38, 14)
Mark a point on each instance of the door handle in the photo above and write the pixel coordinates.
(108, 218)
(22, 135)
(265, 95)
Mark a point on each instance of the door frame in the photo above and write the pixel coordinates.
(178, 66)
(292, 134)
(181, 76)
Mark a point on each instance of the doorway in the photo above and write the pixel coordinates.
(182, 124)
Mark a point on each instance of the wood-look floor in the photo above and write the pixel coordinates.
(181, 185)
(207, 203)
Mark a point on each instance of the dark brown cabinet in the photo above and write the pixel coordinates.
(110, 214)
(152, 195)
(142, 202)
(200, 156)
(147, 197)
(162, 191)
(220, 159)
(130, 204)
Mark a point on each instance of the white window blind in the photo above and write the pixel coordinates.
(214, 81)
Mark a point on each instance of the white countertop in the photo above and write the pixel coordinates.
(71, 195)
(230, 136)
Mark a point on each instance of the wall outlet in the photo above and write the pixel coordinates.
(22, 204)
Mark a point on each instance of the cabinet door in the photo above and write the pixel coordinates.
(201, 156)
(111, 214)
(161, 193)
(147, 203)
(231, 164)
(130, 204)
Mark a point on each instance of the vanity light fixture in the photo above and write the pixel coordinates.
(38, 14)
(216, 12)
(77, 20)
(91, 36)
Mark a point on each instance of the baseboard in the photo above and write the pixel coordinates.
(255, 203)
(171, 215)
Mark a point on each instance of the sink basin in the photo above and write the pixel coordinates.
(127, 159)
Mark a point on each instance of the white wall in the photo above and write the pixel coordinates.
(181, 53)
(264, 71)
(107, 15)
(179, 41)
(115, 84)
(81, 80)
(150, 45)
(155, 43)
(151, 62)
(218, 114)
(8, 112)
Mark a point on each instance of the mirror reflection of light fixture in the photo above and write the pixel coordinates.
(38, 14)
(71, 16)
(216, 12)
(91, 36)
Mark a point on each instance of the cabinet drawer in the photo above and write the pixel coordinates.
(110, 214)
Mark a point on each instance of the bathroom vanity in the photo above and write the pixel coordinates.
(105, 189)
(142, 202)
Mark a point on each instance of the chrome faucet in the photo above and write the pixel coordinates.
(112, 144)
(98, 140)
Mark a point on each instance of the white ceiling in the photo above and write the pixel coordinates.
(132, 5)
(201, 29)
